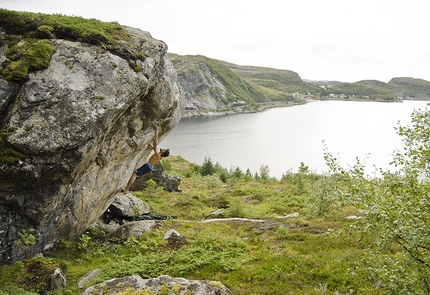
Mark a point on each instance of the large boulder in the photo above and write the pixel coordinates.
(127, 205)
(74, 132)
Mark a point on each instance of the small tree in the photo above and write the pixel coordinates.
(151, 186)
(264, 173)
(303, 168)
(323, 200)
(207, 167)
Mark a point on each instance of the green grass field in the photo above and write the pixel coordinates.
(307, 254)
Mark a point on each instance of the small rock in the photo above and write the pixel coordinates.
(218, 213)
(88, 278)
(56, 281)
(174, 239)
(292, 215)
(135, 228)
(353, 217)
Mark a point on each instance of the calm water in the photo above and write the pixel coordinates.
(282, 138)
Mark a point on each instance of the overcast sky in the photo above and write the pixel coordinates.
(343, 40)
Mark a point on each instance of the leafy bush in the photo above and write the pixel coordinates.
(323, 200)
(395, 206)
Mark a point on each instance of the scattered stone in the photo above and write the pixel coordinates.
(174, 239)
(135, 228)
(231, 219)
(127, 205)
(218, 213)
(172, 184)
(292, 215)
(160, 285)
(38, 255)
(352, 217)
(156, 217)
(106, 227)
(89, 277)
(56, 281)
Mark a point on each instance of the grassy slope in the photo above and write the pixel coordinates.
(285, 81)
(299, 255)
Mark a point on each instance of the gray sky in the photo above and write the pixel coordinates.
(344, 40)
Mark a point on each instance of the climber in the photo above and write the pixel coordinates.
(147, 167)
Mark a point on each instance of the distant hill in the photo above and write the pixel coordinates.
(411, 88)
(211, 84)
(403, 88)
(285, 81)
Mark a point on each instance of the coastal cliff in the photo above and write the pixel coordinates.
(74, 128)
(210, 85)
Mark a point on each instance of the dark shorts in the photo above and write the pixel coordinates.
(144, 169)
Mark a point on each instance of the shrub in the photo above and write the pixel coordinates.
(395, 206)
(207, 167)
(323, 199)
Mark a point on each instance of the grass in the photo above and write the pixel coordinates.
(278, 255)
(28, 37)
(8, 155)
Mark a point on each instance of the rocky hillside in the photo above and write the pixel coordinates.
(210, 84)
(79, 100)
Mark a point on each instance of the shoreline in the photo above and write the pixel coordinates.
(241, 110)
(269, 105)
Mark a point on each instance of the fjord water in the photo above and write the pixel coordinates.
(282, 138)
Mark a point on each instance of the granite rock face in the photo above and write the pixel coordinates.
(78, 129)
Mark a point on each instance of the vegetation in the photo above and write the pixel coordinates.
(395, 210)
(34, 50)
(28, 55)
(8, 155)
(301, 243)
(68, 27)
